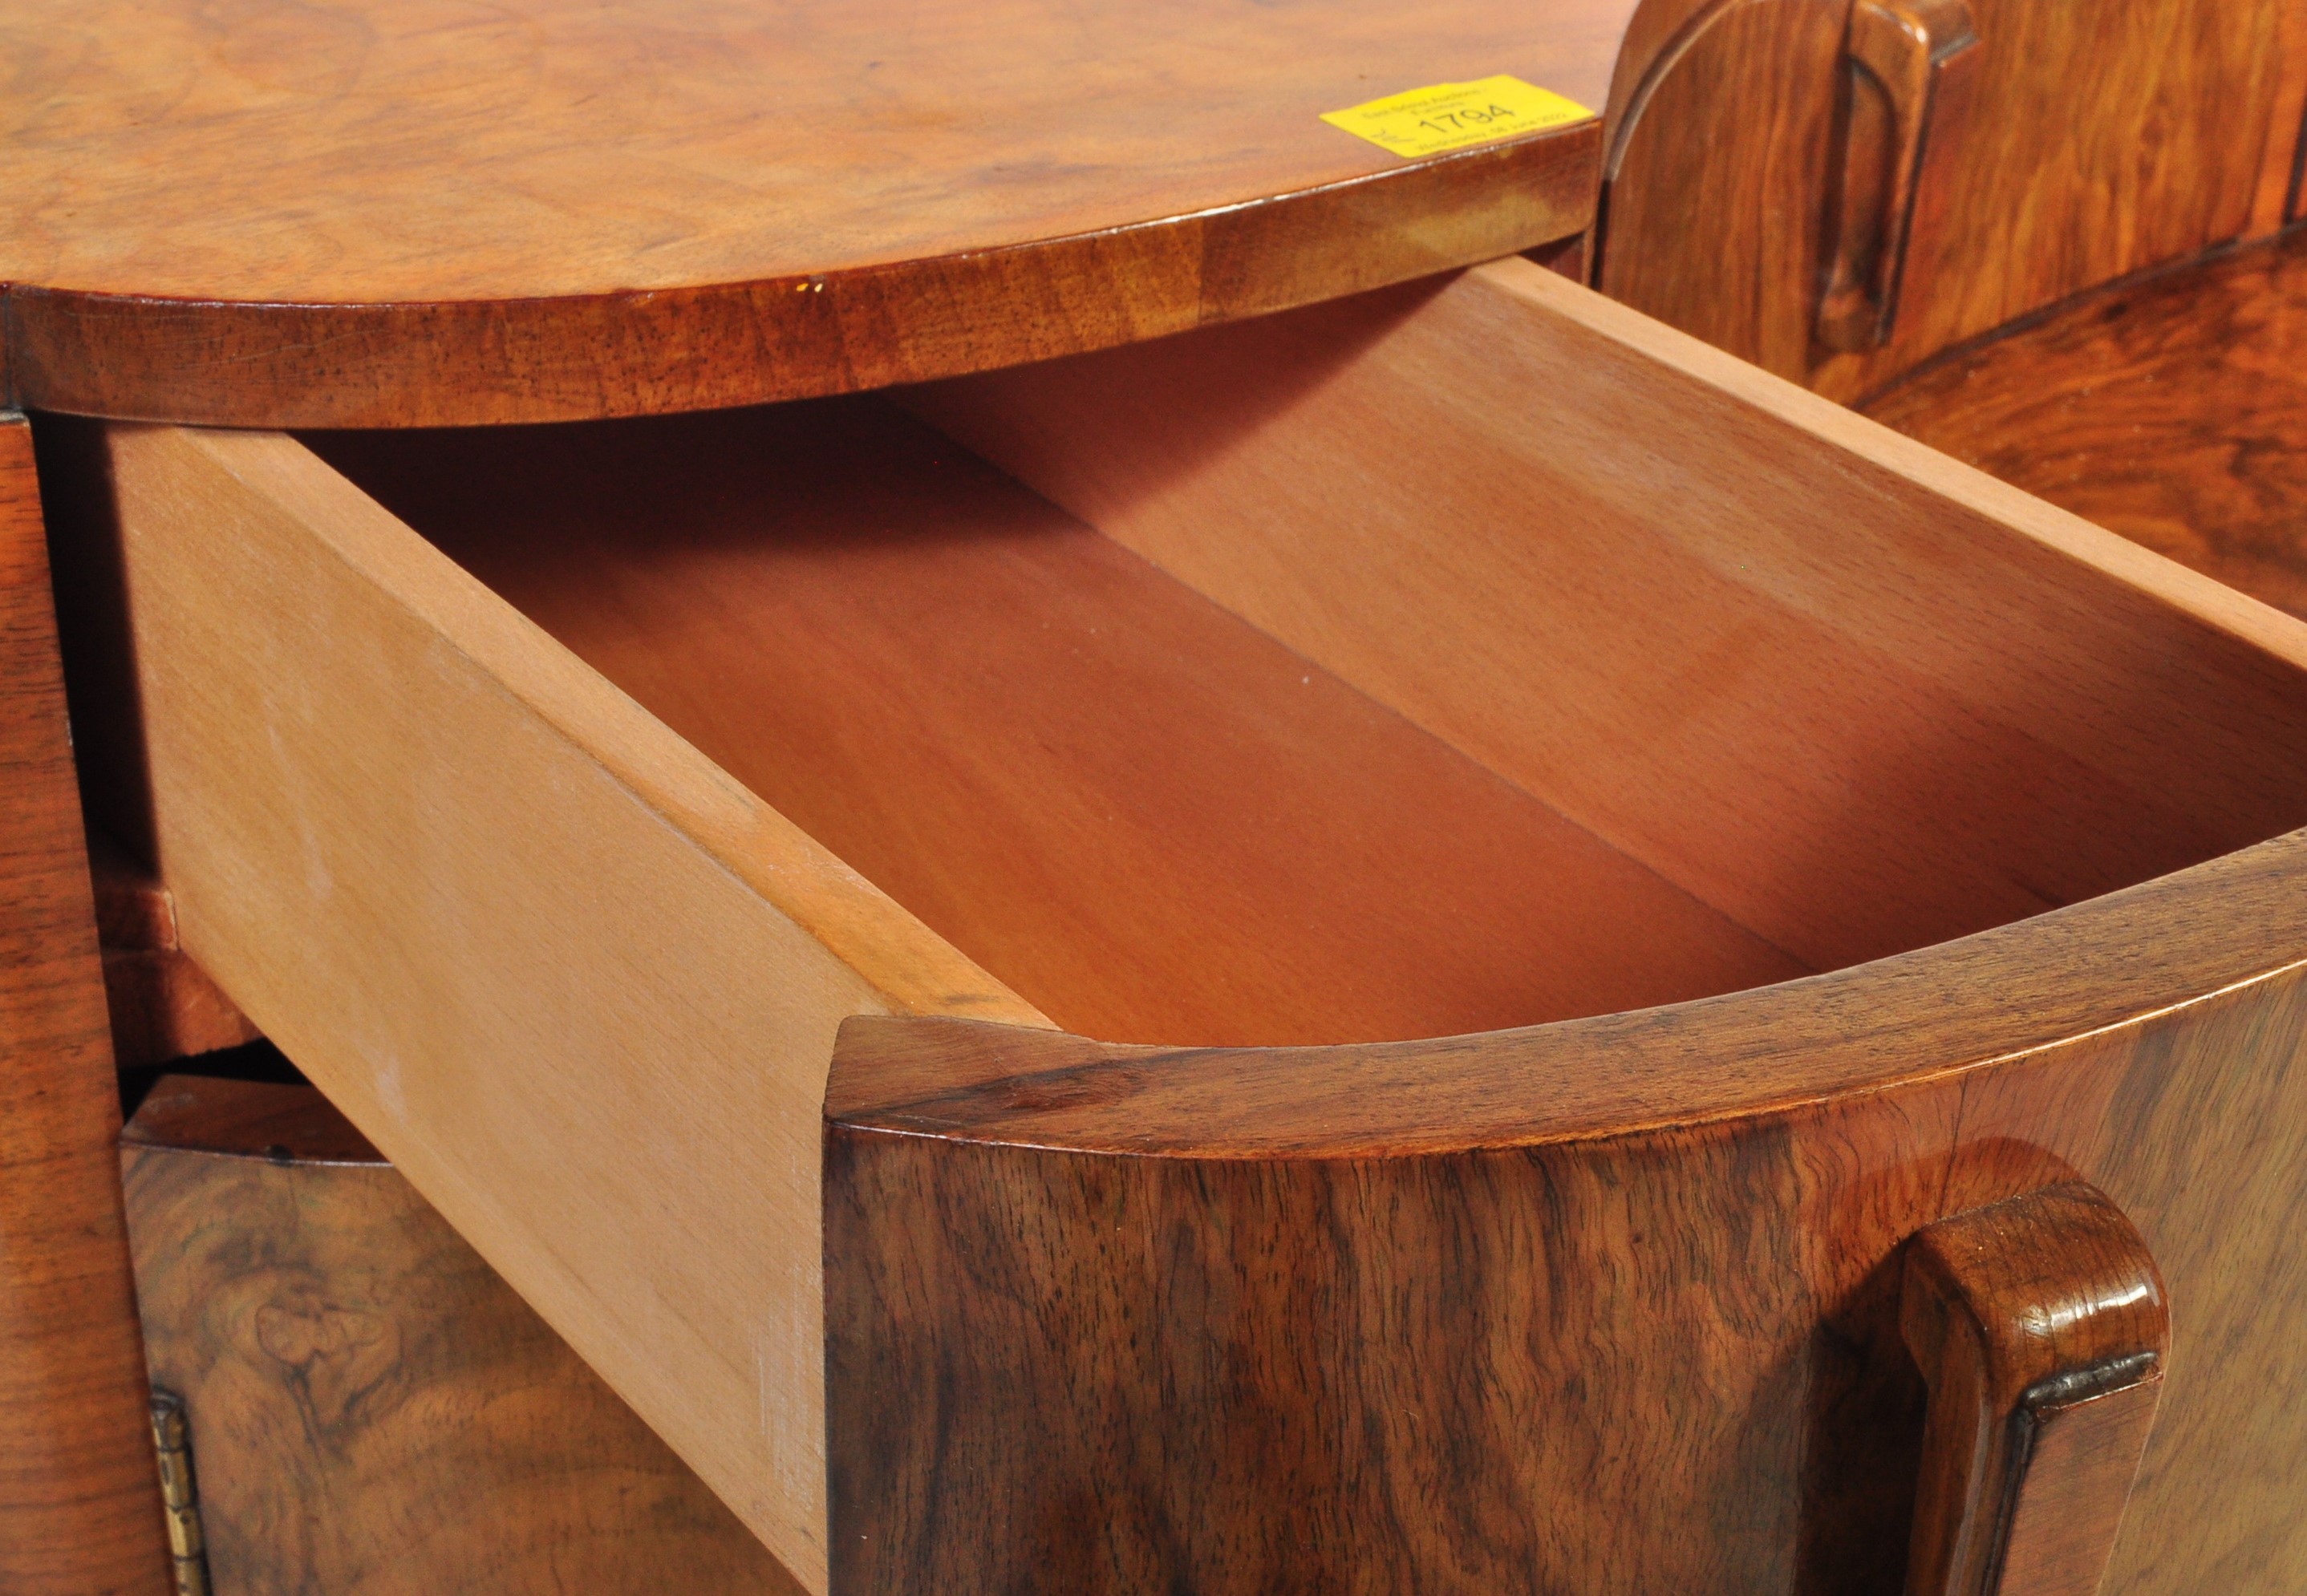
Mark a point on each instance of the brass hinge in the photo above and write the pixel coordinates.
(172, 1438)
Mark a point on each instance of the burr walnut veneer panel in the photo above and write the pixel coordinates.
(2171, 408)
(437, 212)
(1610, 1306)
(374, 1412)
(2085, 143)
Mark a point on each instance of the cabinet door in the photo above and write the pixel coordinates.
(1716, 173)
(372, 1411)
(2086, 143)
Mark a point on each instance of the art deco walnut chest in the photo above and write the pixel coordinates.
(1112, 850)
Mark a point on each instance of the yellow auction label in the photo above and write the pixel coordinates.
(1452, 115)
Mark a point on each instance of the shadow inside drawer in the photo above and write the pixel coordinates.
(1669, 773)
(1151, 819)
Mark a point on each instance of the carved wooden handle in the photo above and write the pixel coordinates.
(1897, 53)
(2041, 1326)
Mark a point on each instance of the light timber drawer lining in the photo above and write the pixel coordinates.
(1155, 821)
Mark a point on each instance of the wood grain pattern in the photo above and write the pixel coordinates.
(1911, 69)
(2103, 142)
(2275, 200)
(2041, 1326)
(1611, 1305)
(80, 1503)
(2083, 1456)
(2149, 153)
(1855, 696)
(162, 1004)
(332, 214)
(2172, 409)
(1718, 178)
(373, 1411)
(441, 862)
(1152, 820)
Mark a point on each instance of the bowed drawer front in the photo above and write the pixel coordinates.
(1467, 656)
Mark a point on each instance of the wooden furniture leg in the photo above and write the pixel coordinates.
(2041, 1326)
(80, 1505)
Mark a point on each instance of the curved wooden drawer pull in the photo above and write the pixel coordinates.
(1899, 55)
(2041, 1326)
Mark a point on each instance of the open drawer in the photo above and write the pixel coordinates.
(1230, 716)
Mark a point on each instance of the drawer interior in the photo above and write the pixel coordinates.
(1466, 654)
(1316, 698)
(1152, 820)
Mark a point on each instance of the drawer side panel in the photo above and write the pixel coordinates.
(511, 926)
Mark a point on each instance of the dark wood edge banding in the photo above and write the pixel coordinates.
(1874, 399)
(479, 362)
(2094, 966)
(1235, 1320)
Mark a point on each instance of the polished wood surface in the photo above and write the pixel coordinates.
(578, 983)
(2172, 409)
(341, 214)
(79, 1503)
(582, 985)
(2145, 145)
(2083, 1457)
(372, 1412)
(1151, 820)
(1718, 178)
(1910, 82)
(1612, 1305)
(2041, 1326)
(2098, 141)
(2278, 198)
(1858, 698)
(163, 1006)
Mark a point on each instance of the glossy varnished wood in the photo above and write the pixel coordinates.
(1912, 70)
(1718, 178)
(79, 1506)
(2041, 1326)
(373, 1411)
(2097, 143)
(2172, 409)
(337, 214)
(1611, 1306)
(2147, 147)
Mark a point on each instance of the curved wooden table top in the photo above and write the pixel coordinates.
(434, 211)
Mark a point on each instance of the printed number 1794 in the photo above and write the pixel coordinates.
(1449, 122)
